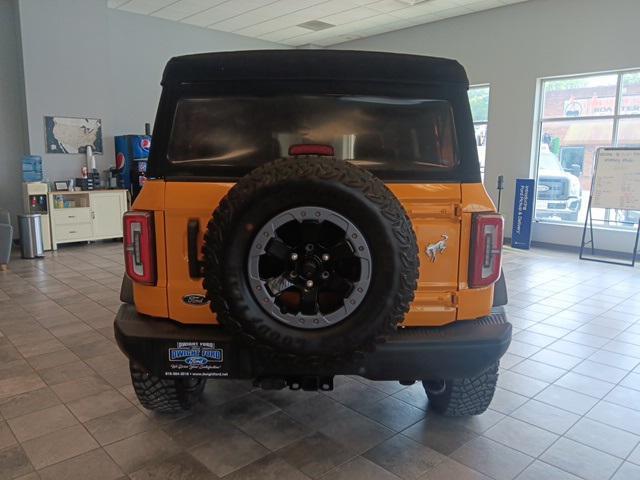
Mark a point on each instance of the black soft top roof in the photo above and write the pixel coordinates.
(313, 64)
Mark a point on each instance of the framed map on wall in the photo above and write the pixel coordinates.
(72, 135)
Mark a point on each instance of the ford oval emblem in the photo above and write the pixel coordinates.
(196, 361)
(195, 299)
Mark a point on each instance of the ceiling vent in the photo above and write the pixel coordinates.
(316, 25)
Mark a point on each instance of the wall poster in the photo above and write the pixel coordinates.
(72, 135)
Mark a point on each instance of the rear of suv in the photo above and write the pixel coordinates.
(350, 233)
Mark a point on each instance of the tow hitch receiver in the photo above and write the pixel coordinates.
(307, 383)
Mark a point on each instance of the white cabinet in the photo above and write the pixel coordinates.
(86, 216)
(107, 209)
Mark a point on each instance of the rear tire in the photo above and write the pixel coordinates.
(461, 397)
(165, 395)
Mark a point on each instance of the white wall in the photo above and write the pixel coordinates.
(67, 72)
(510, 48)
(86, 60)
(139, 47)
(12, 136)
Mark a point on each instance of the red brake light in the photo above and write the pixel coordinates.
(139, 247)
(311, 149)
(486, 249)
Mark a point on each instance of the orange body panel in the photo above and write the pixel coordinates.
(434, 212)
(184, 202)
(472, 302)
(437, 212)
(152, 300)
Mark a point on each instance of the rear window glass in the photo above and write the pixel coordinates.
(378, 133)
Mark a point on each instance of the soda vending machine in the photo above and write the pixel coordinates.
(132, 153)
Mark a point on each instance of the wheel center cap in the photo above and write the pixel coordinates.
(297, 281)
(309, 268)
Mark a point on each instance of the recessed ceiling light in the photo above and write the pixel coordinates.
(316, 25)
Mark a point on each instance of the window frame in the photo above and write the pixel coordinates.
(484, 122)
(540, 120)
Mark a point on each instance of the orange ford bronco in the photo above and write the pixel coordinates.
(311, 214)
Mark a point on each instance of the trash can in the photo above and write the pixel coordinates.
(30, 228)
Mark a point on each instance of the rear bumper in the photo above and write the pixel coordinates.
(169, 349)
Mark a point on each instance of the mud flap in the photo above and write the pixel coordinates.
(500, 291)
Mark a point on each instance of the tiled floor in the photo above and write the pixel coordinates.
(568, 405)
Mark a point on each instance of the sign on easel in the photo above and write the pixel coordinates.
(616, 181)
(615, 185)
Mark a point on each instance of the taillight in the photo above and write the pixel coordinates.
(139, 247)
(486, 249)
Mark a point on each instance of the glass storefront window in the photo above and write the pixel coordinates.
(629, 132)
(630, 94)
(579, 115)
(580, 97)
(565, 163)
(479, 101)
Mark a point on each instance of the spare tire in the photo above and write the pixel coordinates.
(310, 257)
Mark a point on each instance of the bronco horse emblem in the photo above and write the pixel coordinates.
(438, 247)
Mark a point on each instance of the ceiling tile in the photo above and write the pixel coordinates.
(387, 5)
(314, 12)
(348, 16)
(426, 8)
(466, 2)
(284, 34)
(485, 5)
(185, 8)
(236, 23)
(144, 6)
(278, 20)
(274, 11)
(115, 3)
(223, 11)
(454, 12)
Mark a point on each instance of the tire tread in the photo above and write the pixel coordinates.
(465, 396)
(165, 395)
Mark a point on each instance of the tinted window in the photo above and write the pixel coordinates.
(377, 133)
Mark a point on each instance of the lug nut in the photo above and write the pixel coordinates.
(293, 274)
(309, 247)
(325, 275)
(294, 256)
(325, 257)
(309, 283)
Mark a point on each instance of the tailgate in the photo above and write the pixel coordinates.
(435, 212)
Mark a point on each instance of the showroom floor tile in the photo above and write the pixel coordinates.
(567, 406)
